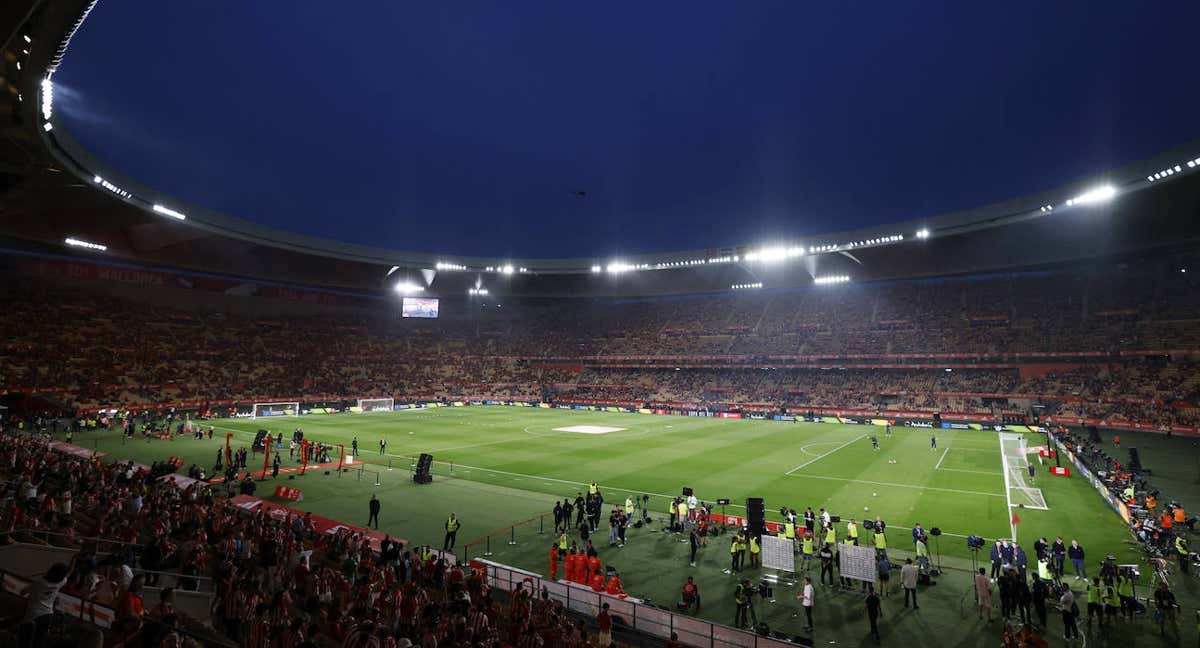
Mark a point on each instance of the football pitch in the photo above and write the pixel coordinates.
(499, 466)
(957, 486)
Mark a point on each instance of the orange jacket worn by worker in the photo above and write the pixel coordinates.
(614, 586)
(569, 567)
(553, 562)
(593, 564)
(1167, 522)
(597, 583)
(1180, 516)
(1151, 503)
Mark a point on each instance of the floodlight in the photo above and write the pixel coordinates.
(1099, 194)
(74, 242)
(167, 211)
(923, 234)
(507, 269)
(47, 127)
(407, 287)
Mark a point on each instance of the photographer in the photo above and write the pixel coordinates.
(742, 595)
(690, 596)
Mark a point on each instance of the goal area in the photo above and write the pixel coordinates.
(376, 404)
(1014, 454)
(275, 409)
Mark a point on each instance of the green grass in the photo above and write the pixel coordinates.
(497, 465)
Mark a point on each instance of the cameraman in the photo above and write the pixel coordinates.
(742, 595)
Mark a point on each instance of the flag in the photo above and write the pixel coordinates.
(1016, 519)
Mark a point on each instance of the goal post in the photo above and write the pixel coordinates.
(376, 404)
(275, 409)
(1014, 455)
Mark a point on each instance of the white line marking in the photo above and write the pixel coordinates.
(819, 457)
(804, 448)
(939, 463)
(1007, 487)
(975, 472)
(916, 486)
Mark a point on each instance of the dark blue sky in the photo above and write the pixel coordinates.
(465, 127)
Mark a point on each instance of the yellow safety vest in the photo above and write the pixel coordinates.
(753, 545)
(562, 542)
(830, 536)
(628, 506)
(852, 530)
(922, 550)
(593, 488)
(808, 545)
(880, 541)
(452, 524)
(789, 530)
(682, 509)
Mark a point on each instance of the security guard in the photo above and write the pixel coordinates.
(735, 545)
(922, 555)
(741, 598)
(1125, 592)
(562, 545)
(1095, 601)
(629, 507)
(754, 551)
(880, 540)
(593, 488)
(830, 535)
(1182, 549)
(682, 512)
(807, 551)
(452, 525)
(789, 530)
(852, 531)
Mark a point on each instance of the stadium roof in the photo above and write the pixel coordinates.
(56, 188)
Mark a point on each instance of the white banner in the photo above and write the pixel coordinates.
(778, 553)
(857, 562)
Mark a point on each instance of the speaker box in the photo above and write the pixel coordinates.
(756, 515)
(687, 491)
(424, 478)
(423, 463)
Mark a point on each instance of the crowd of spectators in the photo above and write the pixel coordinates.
(94, 348)
(275, 581)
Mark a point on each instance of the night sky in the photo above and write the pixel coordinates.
(468, 127)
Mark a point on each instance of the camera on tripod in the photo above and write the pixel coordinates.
(975, 542)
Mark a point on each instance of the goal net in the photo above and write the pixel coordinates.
(275, 409)
(376, 404)
(1015, 455)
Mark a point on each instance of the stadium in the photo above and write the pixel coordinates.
(223, 429)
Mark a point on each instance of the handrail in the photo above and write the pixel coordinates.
(511, 530)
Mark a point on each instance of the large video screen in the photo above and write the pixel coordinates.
(419, 307)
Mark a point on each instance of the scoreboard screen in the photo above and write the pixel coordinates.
(419, 307)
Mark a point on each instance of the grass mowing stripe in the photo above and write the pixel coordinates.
(819, 457)
(916, 486)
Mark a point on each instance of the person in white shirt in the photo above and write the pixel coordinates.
(42, 594)
(1066, 603)
(691, 506)
(983, 593)
(806, 601)
(825, 518)
(908, 580)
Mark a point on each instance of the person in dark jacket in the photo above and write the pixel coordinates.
(1075, 553)
(872, 602)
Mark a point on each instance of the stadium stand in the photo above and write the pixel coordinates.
(1070, 344)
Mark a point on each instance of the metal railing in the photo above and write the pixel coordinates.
(633, 613)
(528, 530)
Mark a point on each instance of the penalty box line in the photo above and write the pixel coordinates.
(822, 456)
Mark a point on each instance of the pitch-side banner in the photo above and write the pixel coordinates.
(778, 553)
(857, 562)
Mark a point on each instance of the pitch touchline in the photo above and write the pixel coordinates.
(943, 458)
(931, 488)
(819, 457)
